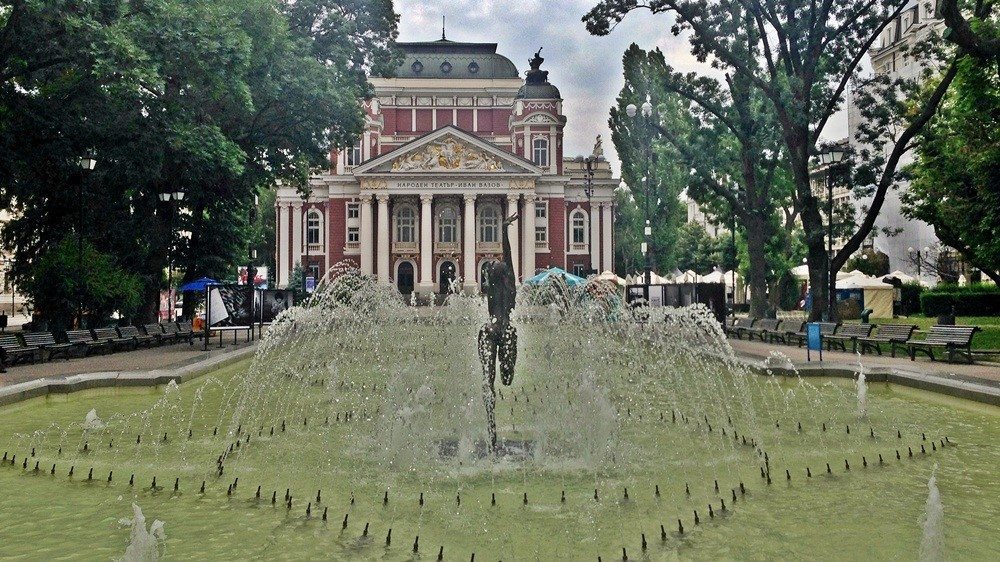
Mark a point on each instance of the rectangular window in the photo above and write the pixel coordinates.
(354, 155)
(353, 210)
(312, 229)
(541, 223)
(579, 229)
(314, 272)
(578, 269)
(540, 153)
(353, 235)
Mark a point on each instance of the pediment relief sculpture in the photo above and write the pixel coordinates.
(447, 155)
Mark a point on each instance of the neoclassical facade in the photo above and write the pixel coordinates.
(453, 144)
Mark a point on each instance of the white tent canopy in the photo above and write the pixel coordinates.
(610, 276)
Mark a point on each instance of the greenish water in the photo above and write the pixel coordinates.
(601, 430)
(872, 512)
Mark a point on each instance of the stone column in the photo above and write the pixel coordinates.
(514, 247)
(594, 226)
(469, 243)
(528, 234)
(426, 244)
(367, 234)
(383, 238)
(284, 271)
(297, 234)
(608, 260)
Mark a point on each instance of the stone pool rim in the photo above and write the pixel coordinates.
(68, 384)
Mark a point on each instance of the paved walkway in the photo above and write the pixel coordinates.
(981, 372)
(172, 356)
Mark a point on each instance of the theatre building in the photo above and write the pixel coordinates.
(453, 144)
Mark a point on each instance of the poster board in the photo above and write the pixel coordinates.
(270, 303)
(230, 305)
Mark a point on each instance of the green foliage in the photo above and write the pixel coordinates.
(910, 298)
(870, 262)
(955, 186)
(64, 276)
(642, 157)
(972, 299)
(698, 251)
(219, 98)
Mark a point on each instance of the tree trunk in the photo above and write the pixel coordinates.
(817, 258)
(757, 233)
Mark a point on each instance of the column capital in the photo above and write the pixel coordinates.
(365, 196)
(530, 197)
(469, 197)
(382, 197)
(296, 205)
(426, 197)
(512, 197)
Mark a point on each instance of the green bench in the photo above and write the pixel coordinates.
(954, 339)
(763, 328)
(895, 335)
(739, 326)
(13, 351)
(85, 340)
(46, 342)
(848, 333)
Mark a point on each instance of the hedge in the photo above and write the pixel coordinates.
(976, 300)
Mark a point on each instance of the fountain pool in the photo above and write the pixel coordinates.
(377, 423)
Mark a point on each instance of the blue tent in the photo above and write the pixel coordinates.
(571, 280)
(198, 286)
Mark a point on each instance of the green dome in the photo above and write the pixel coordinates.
(447, 59)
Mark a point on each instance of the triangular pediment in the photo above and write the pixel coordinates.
(450, 151)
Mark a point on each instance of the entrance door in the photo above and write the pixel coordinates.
(404, 278)
(446, 276)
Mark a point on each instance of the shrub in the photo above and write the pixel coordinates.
(910, 298)
(973, 300)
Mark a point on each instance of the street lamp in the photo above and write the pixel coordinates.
(588, 190)
(87, 164)
(173, 198)
(830, 158)
(647, 112)
(919, 256)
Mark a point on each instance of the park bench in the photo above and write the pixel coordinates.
(170, 332)
(896, 335)
(848, 333)
(762, 328)
(952, 338)
(787, 327)
(739, 326)
(47, 343)
(185, 331)
(801, 337)
(85, 340)
(110, 335)
(156, 332)
(131, 332)
(14, 351)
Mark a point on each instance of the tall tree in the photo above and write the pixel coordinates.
(724, 141)
(800, 60)
(216, 98)
(654, 172)
(955, 178)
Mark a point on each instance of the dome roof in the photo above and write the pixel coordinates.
(450, 60)
(536, 82)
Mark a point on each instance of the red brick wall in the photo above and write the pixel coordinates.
(465, 120)
(336, 231)
(425, 121)
(557, 235)
(444, 117)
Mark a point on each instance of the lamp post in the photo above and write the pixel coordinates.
(830, 158)
(647, 112)
(173, 198)
(918, 256)
(87, 164)
(305, 261)
(588, 190)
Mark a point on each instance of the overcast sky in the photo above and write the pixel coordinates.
(586, 69)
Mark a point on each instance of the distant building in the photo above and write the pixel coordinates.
(453, 144)
(819, 176)
(913, 25)
(696, 215)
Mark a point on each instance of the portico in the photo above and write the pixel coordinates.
(419, 201)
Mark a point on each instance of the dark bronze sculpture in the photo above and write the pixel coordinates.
(497, 338)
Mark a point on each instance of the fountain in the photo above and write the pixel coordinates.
(932, 544)
(366, 414)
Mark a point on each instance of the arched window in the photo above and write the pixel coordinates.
(314, 227)
(489, 224)
(448, 225)
(540, 152)
(406, 225)
(578, 226)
